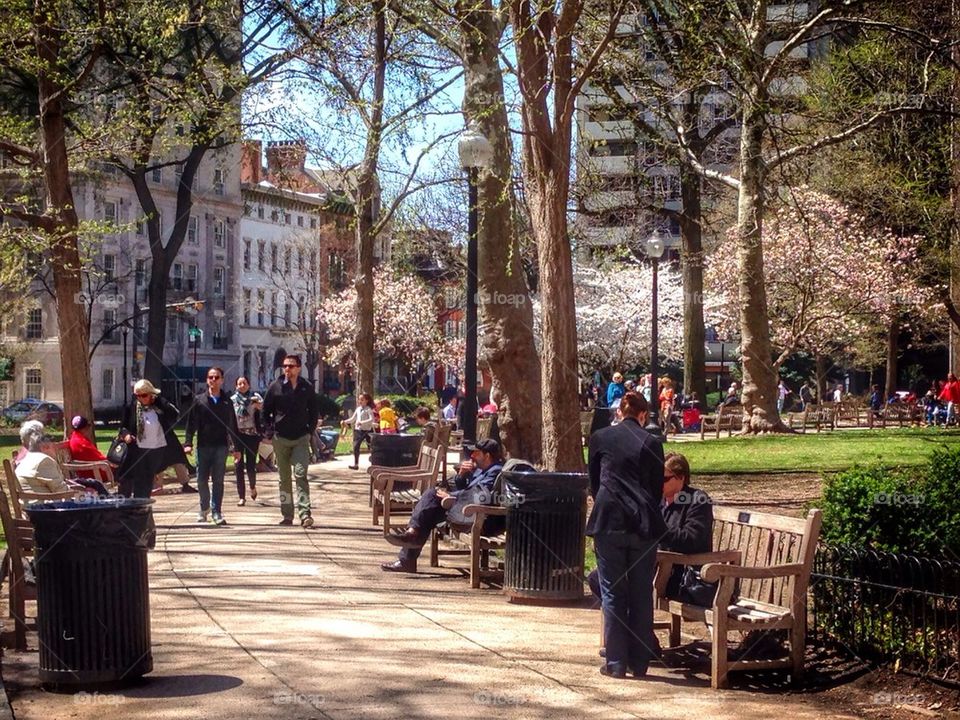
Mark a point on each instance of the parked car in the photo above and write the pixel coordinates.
(50, 414)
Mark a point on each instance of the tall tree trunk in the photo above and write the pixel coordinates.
(691, 263)
(368, 208)
(506, 313)
(893, 350)
(820, 370)
(759, 374)
(74, 330)
(954, 256)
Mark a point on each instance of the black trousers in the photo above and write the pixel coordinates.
(139, 469)
(358, 437)
(427, 514)
(247, 446)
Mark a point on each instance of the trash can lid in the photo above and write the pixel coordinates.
(94, 503)
(544, 485)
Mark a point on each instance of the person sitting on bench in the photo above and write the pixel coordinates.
(478, 473)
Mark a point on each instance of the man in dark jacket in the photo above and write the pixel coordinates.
(212, 420)
(688, 514)
(291, 407)
(626, 481)
(476, 475)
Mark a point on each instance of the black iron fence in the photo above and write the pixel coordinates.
(889, 607)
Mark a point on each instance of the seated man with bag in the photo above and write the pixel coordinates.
(474, 482)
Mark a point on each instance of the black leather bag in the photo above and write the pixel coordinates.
(694, 589)
(118, 451)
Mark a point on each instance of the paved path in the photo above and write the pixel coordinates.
(259, 621)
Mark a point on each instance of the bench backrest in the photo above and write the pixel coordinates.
(484, 425)
(765, 540)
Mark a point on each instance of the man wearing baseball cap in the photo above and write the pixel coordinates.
(479, 472)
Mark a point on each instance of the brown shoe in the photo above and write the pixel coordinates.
(253, 493)
(408, 538)
(399, 566)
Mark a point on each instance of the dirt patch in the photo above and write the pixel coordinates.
(778, 493)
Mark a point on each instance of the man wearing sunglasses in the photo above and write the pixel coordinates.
(291, 406)
(214, 423)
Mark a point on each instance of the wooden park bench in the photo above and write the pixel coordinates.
(728, 417)
(21, 584)
(900, 414)
(819, 418)
(762, 565)
(471, 540)
(396, 493)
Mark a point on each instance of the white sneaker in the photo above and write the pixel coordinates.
(201, 517)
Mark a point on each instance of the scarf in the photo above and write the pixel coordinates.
(241, 402)
(141, 409)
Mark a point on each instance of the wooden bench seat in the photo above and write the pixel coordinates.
(471, 540)
(761, 564)
(398, 493)
(728, 417)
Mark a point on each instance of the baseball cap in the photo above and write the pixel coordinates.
(79, 422)
(488, 446)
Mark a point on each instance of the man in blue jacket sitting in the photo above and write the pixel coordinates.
(480, 471)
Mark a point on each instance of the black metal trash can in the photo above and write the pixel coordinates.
(93, 597)
(394, 450)
(546, 517)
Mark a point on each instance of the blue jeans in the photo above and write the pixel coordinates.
(626, 565)
(211, 465)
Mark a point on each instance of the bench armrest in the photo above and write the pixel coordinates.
(385, 481)
(30, 496)
(666, 560)
(713, 572)
(485, 510)
(375, 470)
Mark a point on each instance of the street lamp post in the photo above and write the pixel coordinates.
(476, 153)
(654, 249)
(126, 388)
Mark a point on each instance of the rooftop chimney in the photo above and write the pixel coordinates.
(251, 161)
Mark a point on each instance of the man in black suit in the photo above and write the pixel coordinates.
(688, 514)
(626, 482)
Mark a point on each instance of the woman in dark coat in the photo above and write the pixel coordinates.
(148, 429)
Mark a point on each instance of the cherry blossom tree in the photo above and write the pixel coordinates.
(836, 285)
(405, 326)
(613, 315)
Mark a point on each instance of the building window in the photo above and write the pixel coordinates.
(110, 334)
(246, 253)
(300, 260)
(274, 215)
(178, 174)
(106, 384)
(220, 333)
(157, 175)
(191, 280)
(260, 212)
(109, 267)
(273, 310)
(177, 279)
(287, 260)
(110, 212)
(140, 273)
(247, 301)
(173, 324)
(286, 218)
(299, 220)
(261, 302)
(35, 324)
(219, 233)
(273, 258)
(261, 255)
(219, 279)
(247, 364)
(313, 262)
(337, 271)
(33, 383)
(313, 223)
(141, 226)
(218, 181)
(193, 230)
(286, 313)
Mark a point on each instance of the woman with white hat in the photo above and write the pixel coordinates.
(148, 430)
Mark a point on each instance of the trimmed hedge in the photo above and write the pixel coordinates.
(897, 510)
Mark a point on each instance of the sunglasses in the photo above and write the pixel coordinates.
(213, 377)
(291, 366)
(143, 394)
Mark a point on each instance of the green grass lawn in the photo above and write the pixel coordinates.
(826, 452)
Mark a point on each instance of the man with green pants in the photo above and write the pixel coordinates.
(291, 406)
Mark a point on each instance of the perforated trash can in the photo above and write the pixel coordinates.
(394, 450)
(546, 517)
(93, 596)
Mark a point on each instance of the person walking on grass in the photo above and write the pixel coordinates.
(212, 421)
(292, 408)
(247, 405)
(362, 423)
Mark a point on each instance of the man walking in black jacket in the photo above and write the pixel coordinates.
(212, 420)
(291, 406)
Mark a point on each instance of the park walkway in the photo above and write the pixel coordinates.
(259, 621)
